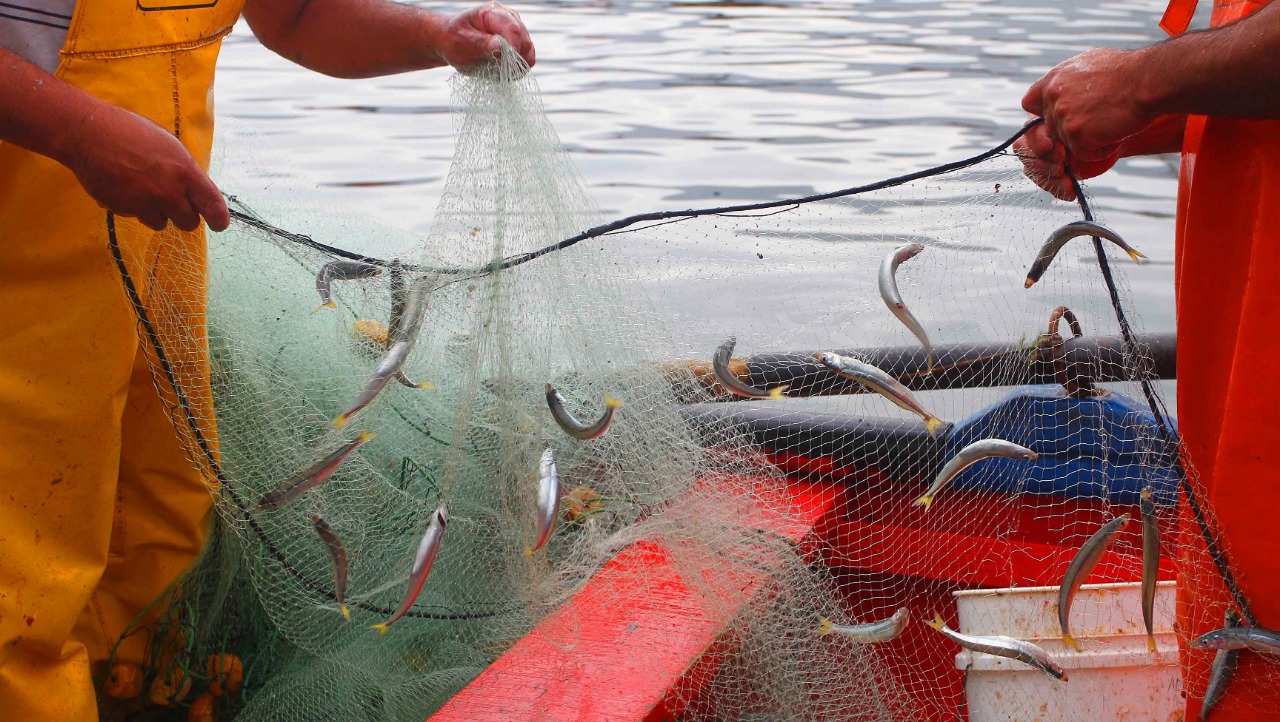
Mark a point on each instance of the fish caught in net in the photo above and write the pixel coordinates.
(450, 437)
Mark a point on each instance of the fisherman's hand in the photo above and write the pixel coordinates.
(1044, 161)
(135, 168)
(475, 37)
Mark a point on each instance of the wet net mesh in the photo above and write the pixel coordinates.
(758, 517)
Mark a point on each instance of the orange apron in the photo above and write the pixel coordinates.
(1228, 304)
(100, 508)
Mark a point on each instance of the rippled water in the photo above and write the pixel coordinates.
(675, 105)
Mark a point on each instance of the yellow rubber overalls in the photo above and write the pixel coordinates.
(100, 509)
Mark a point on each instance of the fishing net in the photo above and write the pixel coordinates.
(753, 519)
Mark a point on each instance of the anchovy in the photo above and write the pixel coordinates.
(1075, 229)
(1224, 667)
(548, 501)
(422, 561)
(882, 631)
(1150, 564)
(313, 475)
(338, 556)
(881, 383)
(730, 381)
(1002, 646)
(571, 425)
(1259, 639)
(340, 271)
(893, 299)
(402, 337)
(970, 455)
(1083, 563)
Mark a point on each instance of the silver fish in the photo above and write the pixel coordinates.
(1083, 563)
(893, 299)
(1075, 229)
(1002, 646)
(402, 338)
(422, 561)
(881, 383)
(1258, 639)
(548, 501)
(1150, 564)
(1224, 667)
(882, 631)
(338, 557)
(312, 476)
(730, 381)
(970, 455)
(571, 425)
(340, 271)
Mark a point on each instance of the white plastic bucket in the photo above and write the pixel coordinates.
(1113, 677)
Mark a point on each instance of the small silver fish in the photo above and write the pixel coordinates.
(548, 501)
(1224, 667)
(1059, 238)
(893, 299)
(402, 338)
(730, 381)
(1002, 646)
(1150, 564)
(313, 475)
(881, 383)
(422, 561)
(1083, 563)
(338, 557)
(970, 455)
(882, 631)
(571, 425)
(1258, 639)
(341, 270)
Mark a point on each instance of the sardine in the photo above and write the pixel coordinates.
(341, 270)
(1258, 639)
(422, 561)
(881, 383)
(893, 299)
(1075, 229)
(1083, 563)
(571, 425)
(970, 455)
(1150, 564)
(1002, 646)
(730, 381)
(313, 475)
(338, 556)
(882, 631)
(1224, 666)
(402, 337)
(548, 501)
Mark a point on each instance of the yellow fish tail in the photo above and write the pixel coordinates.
(926, 501)
(340, 421)
(612, 402)
(330, 304)
(1136, 255)
(382, 628)
(528, 551)
(1029, 283)
(935, 425)
(824, 626)
(777, 392)
(1151, 644)
(424, 385)
(937, 621)
(1070, 642)
(366, 436)
(346, 613)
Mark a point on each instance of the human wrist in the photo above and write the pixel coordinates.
(433, 36)
(1152, 89)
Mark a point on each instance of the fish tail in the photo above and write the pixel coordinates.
(612, 402)
(1070, 641)
(366, 436)
(340, 420)
(528, 551)
(937, 621)
(936, 425)
(382, 628)
(424, 385)
(776, 392)
(1151, 643)
(330, 304)
(926, 501)
(928, 363)
(1136, 255)
(346, 613)
(1029, 282)
(824, 626)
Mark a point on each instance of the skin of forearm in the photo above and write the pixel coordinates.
(1229, 71)
(1162, 136)
(40, 112)
(350, 38)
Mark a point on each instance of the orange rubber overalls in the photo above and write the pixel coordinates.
(1228, 265)
(100, 509)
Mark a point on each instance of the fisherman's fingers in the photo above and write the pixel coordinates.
(208, 202)
(505, 23)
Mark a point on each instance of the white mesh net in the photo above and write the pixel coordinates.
(770, 513)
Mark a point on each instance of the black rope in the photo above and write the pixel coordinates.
(206, 450)
(1171, 440)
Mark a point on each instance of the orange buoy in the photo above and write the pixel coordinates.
(226, 674)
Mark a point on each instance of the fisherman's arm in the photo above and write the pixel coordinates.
(367, 38)
(124, 161)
